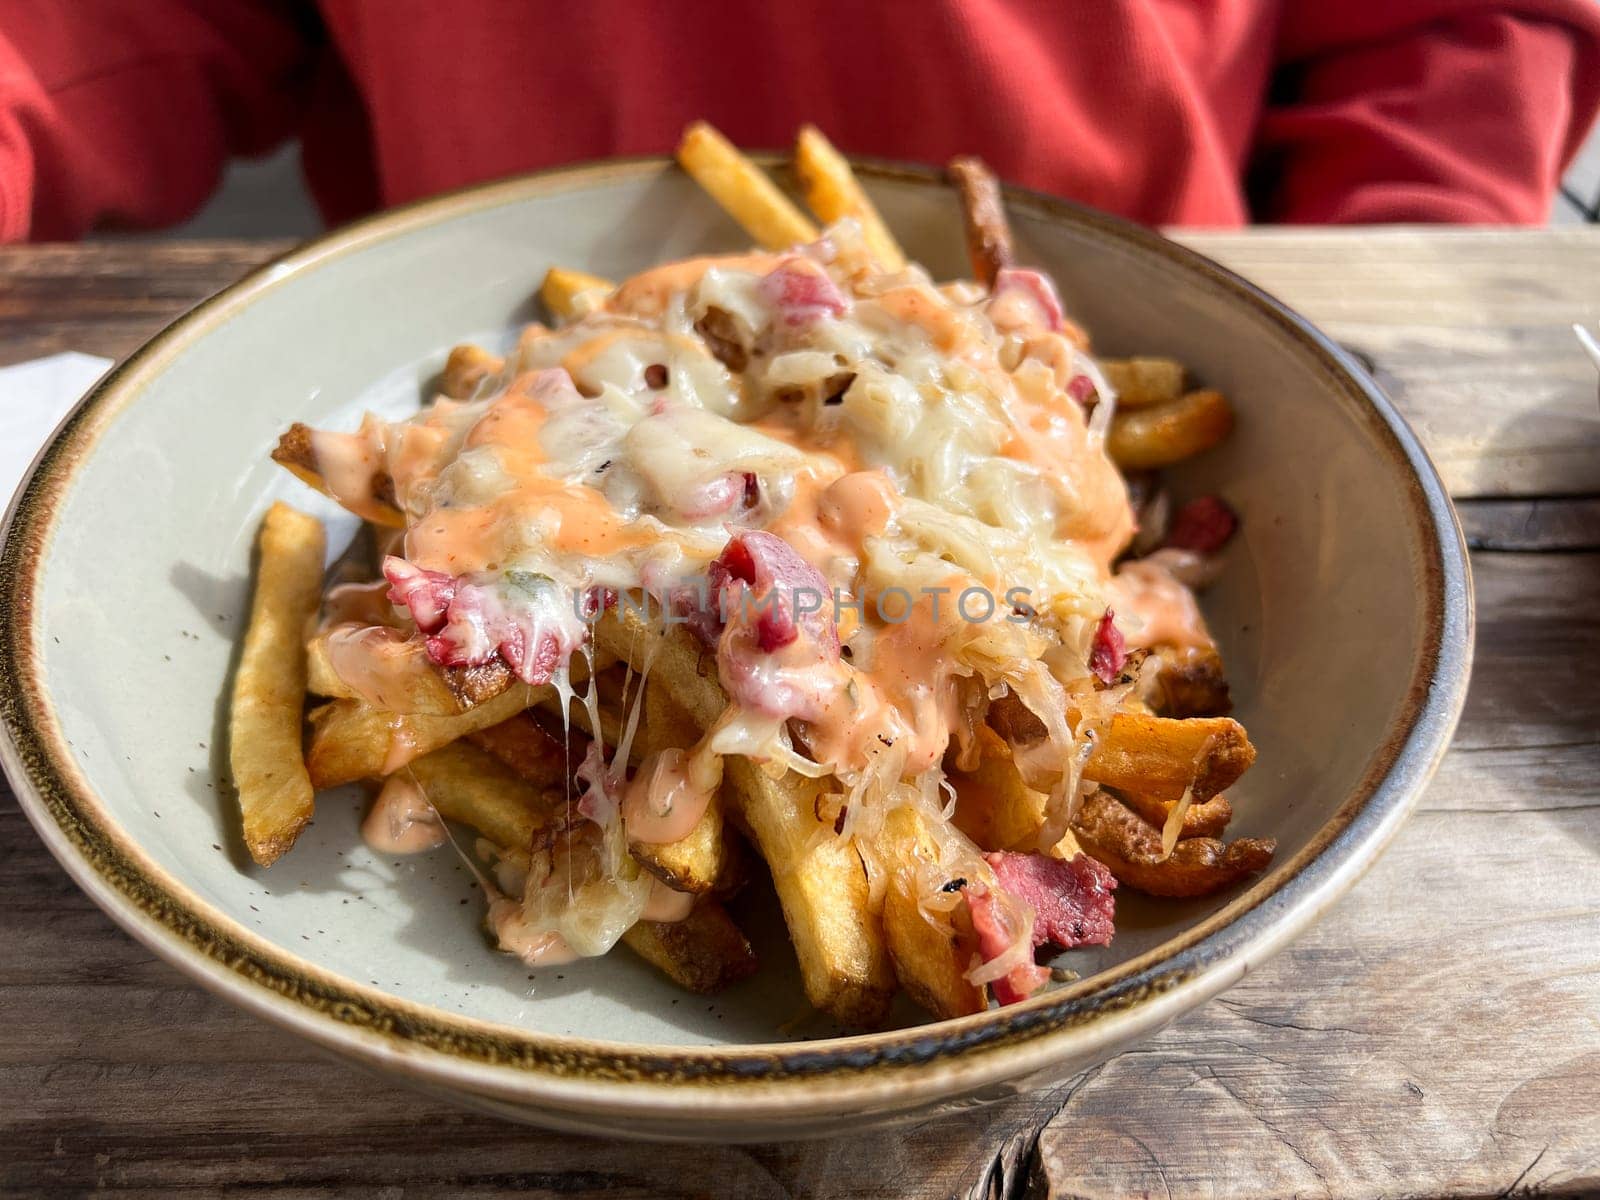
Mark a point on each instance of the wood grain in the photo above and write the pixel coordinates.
(1470, 331)
(1531, 524)
(1437, 1033)
(107, 297)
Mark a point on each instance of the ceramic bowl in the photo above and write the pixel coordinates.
(1344, 612)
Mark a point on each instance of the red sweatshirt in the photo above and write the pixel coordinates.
(1207, 112)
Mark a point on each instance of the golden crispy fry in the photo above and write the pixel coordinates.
(1012, 721)
(264, 730)
(472, 686)
(1199, 820)
(678, 670)
(352, 740)
(666, 722)
(689, 671)
(321, 678)
(704, 952)
(736, 859)
(823, 889)
(569, 294)
(1165, 434)
(296, 453)
(1141, 382)
(409, 682)
(743, 191)
(1067, 847)
(535, 755)
(844, 965)
(984, 216)
(930, 963)
(466, 784)
(833, 192)
(696, 861)
(1191, 683)
(930, 960)
(580, 719)
(1131, 848)
(993, 806)
(1160, 758)
(466, 368)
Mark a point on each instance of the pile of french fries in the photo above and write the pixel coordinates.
(498, 755)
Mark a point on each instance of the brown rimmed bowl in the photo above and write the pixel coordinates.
(1345, 612)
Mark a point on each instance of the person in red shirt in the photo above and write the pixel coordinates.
(1199, 112)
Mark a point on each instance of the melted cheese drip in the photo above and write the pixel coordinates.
(401, 821)
(514, 935)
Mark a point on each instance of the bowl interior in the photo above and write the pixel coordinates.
(1320, 611)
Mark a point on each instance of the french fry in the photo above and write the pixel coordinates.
(522, 744)
(1164, 434)
(993, 806)
(1131, 849)
(983, 215)
(475, 685)
(296, 453)
(742, 189)
(683, 686)
(1067, 848)
(930, 960)
(1013, 722)
(844, 962)
(1142, 382)
(833, 192)
(321, 678)
(264, 729)
(1160, 758)
(671, 653)
(409, 682)
(705, 952)
(569, 294)
(352, 740)
(579, 717)
(666, 722)
(1191, 683)
(696, 861)
(466, 368)
(470, 785)
(1199, 820)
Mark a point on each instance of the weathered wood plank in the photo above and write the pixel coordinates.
(1548, 524)
(1470, 331)
(1530, 733)
(106, 298)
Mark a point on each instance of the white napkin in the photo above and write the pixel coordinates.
(34, 397)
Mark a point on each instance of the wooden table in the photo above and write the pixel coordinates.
(1437, 1033)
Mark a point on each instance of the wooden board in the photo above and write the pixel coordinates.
(1437, 1033)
